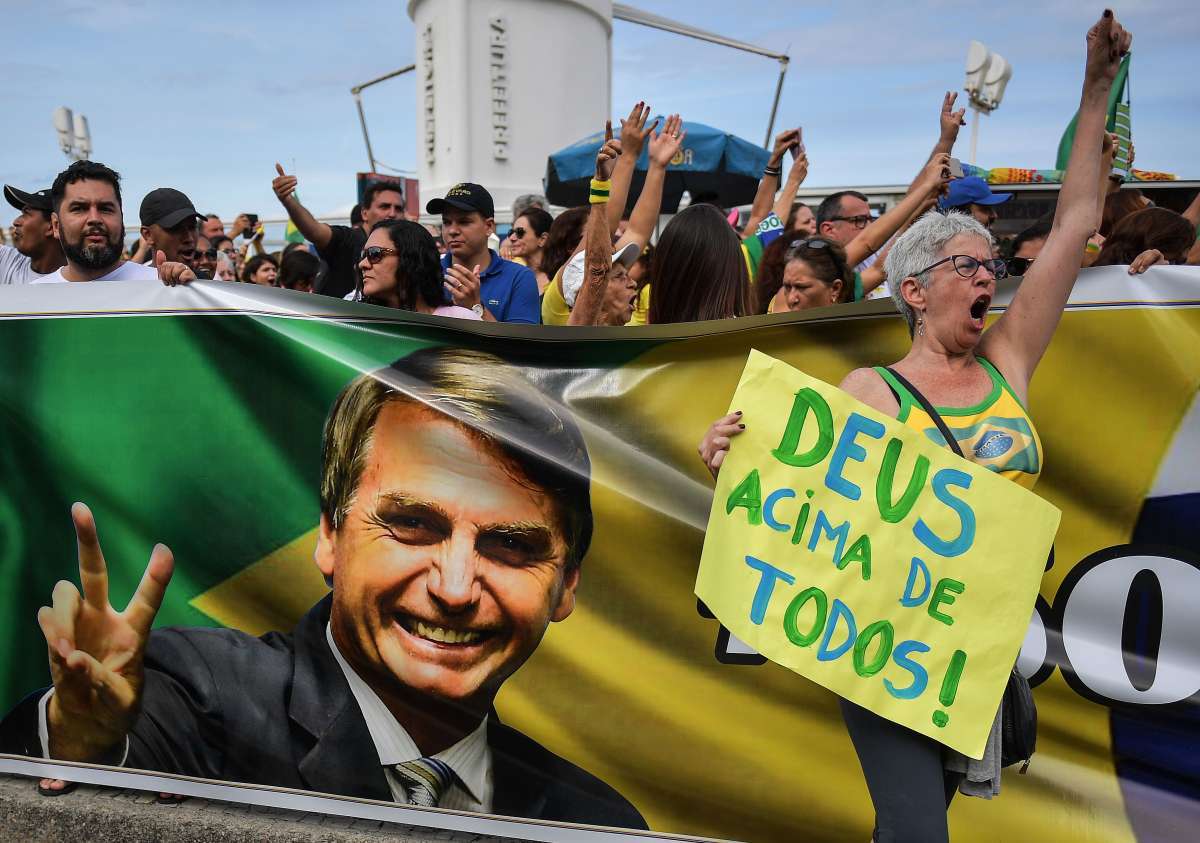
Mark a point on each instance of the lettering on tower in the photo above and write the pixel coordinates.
(430, 114)
(498, 68)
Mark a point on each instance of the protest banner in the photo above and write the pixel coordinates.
(194, 417)
(853, 550)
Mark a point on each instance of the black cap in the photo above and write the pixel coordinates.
(21, 200)
(464, 196)
(167, 207)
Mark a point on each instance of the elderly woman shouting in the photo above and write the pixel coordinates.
(977, 379)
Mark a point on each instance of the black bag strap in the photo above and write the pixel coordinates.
(929, 410)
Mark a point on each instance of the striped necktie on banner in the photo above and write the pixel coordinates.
(425, 780)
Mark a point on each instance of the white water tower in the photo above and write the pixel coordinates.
(987, 77)
(74, 137)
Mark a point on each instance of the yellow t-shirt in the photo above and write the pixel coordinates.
(554, 306)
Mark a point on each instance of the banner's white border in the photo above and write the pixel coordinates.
(342, 806)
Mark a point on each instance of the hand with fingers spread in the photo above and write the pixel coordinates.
(463, 285)
(606, 158)
(951, 120)
(715, 444)
(284, 185)
(634, 131)
(665, 145)
(172, 273)
(96, 652)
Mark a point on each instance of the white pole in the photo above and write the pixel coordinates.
(975, 132)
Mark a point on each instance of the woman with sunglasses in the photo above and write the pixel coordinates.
(815, 274)
(527, 241)
(400, 268)
(977, 377)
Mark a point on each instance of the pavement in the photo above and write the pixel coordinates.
(93, 813)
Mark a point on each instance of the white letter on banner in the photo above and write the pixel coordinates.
(1092, 629)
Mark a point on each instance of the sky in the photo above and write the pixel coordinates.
(207, 96)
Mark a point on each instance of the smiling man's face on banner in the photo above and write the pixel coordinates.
(449, 564)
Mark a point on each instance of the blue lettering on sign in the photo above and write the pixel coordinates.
(841, 611)
(920, 676)
(766, 586)
(941, 484)
(848, 449)
(769, 509)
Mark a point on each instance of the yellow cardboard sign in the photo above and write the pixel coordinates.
(848, 548)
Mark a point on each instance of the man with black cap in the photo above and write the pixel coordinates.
(37, 252)
(169, 224)
(340, 246)
(973, 196)
(85, 204)
(508, 291)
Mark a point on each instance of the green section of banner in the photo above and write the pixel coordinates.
(1116, 109)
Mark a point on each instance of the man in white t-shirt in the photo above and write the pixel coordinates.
(86, 200)
(35, 251)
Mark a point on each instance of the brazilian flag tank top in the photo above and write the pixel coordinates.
(996, 433)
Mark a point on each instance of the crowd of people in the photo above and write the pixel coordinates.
(933, 252)
(708, 262)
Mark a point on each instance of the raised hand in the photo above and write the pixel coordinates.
(634, 131)
(665, 145)
(95, 651)
(935, 177)
(715, 444)
(463, 285)
(783, 142)
(951, 119)
(284, 185)
(606, 158)
(172, 273)
(799, 171)
(1107, 43)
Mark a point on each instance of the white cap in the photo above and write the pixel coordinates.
(572, 274)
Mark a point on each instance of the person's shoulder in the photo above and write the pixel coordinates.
(571, 793)
(343, 237)
(130, 271)
(869, 387)
(223, 651)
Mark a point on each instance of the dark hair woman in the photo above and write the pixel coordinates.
(400, 268)
(1119, 205)
(769, 279)
(699, 270)
(261, 269)
(527, 241)
(565, 235)
(1150, 228)
(299, 270)
(815, 274)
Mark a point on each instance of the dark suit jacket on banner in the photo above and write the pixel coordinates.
(220, 704)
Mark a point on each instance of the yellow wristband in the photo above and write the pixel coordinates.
(598, 194)
(604, 186)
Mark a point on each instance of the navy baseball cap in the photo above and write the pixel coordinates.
(19, 199)
(464, 196)
(971, 190)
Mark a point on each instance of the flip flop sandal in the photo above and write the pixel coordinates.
(66, 788)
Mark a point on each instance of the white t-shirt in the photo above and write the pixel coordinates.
(15, 268)
(127, 271)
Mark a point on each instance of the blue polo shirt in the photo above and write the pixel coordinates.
(508, 290)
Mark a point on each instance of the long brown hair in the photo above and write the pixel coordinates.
(770, 273)
(1149, 228)
(699, 270)
(565, 233)
(1119, 205)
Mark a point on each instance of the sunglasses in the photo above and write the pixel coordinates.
(518, 233)
(1019, 266)
(374, 254)
(967, 266)
(815, 243)
(210, 254)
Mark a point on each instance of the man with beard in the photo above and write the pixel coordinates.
(36, 252)
(86, 215)
(169, 222)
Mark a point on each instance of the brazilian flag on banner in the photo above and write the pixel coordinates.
(1118, 121)
(194, 417)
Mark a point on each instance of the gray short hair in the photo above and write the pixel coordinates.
(526, 201)
(921, 246)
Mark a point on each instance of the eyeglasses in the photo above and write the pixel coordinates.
(374, 254)
(210, 254)
(1019, 266)
(967, 266)
(859, 221)
(518, 233)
